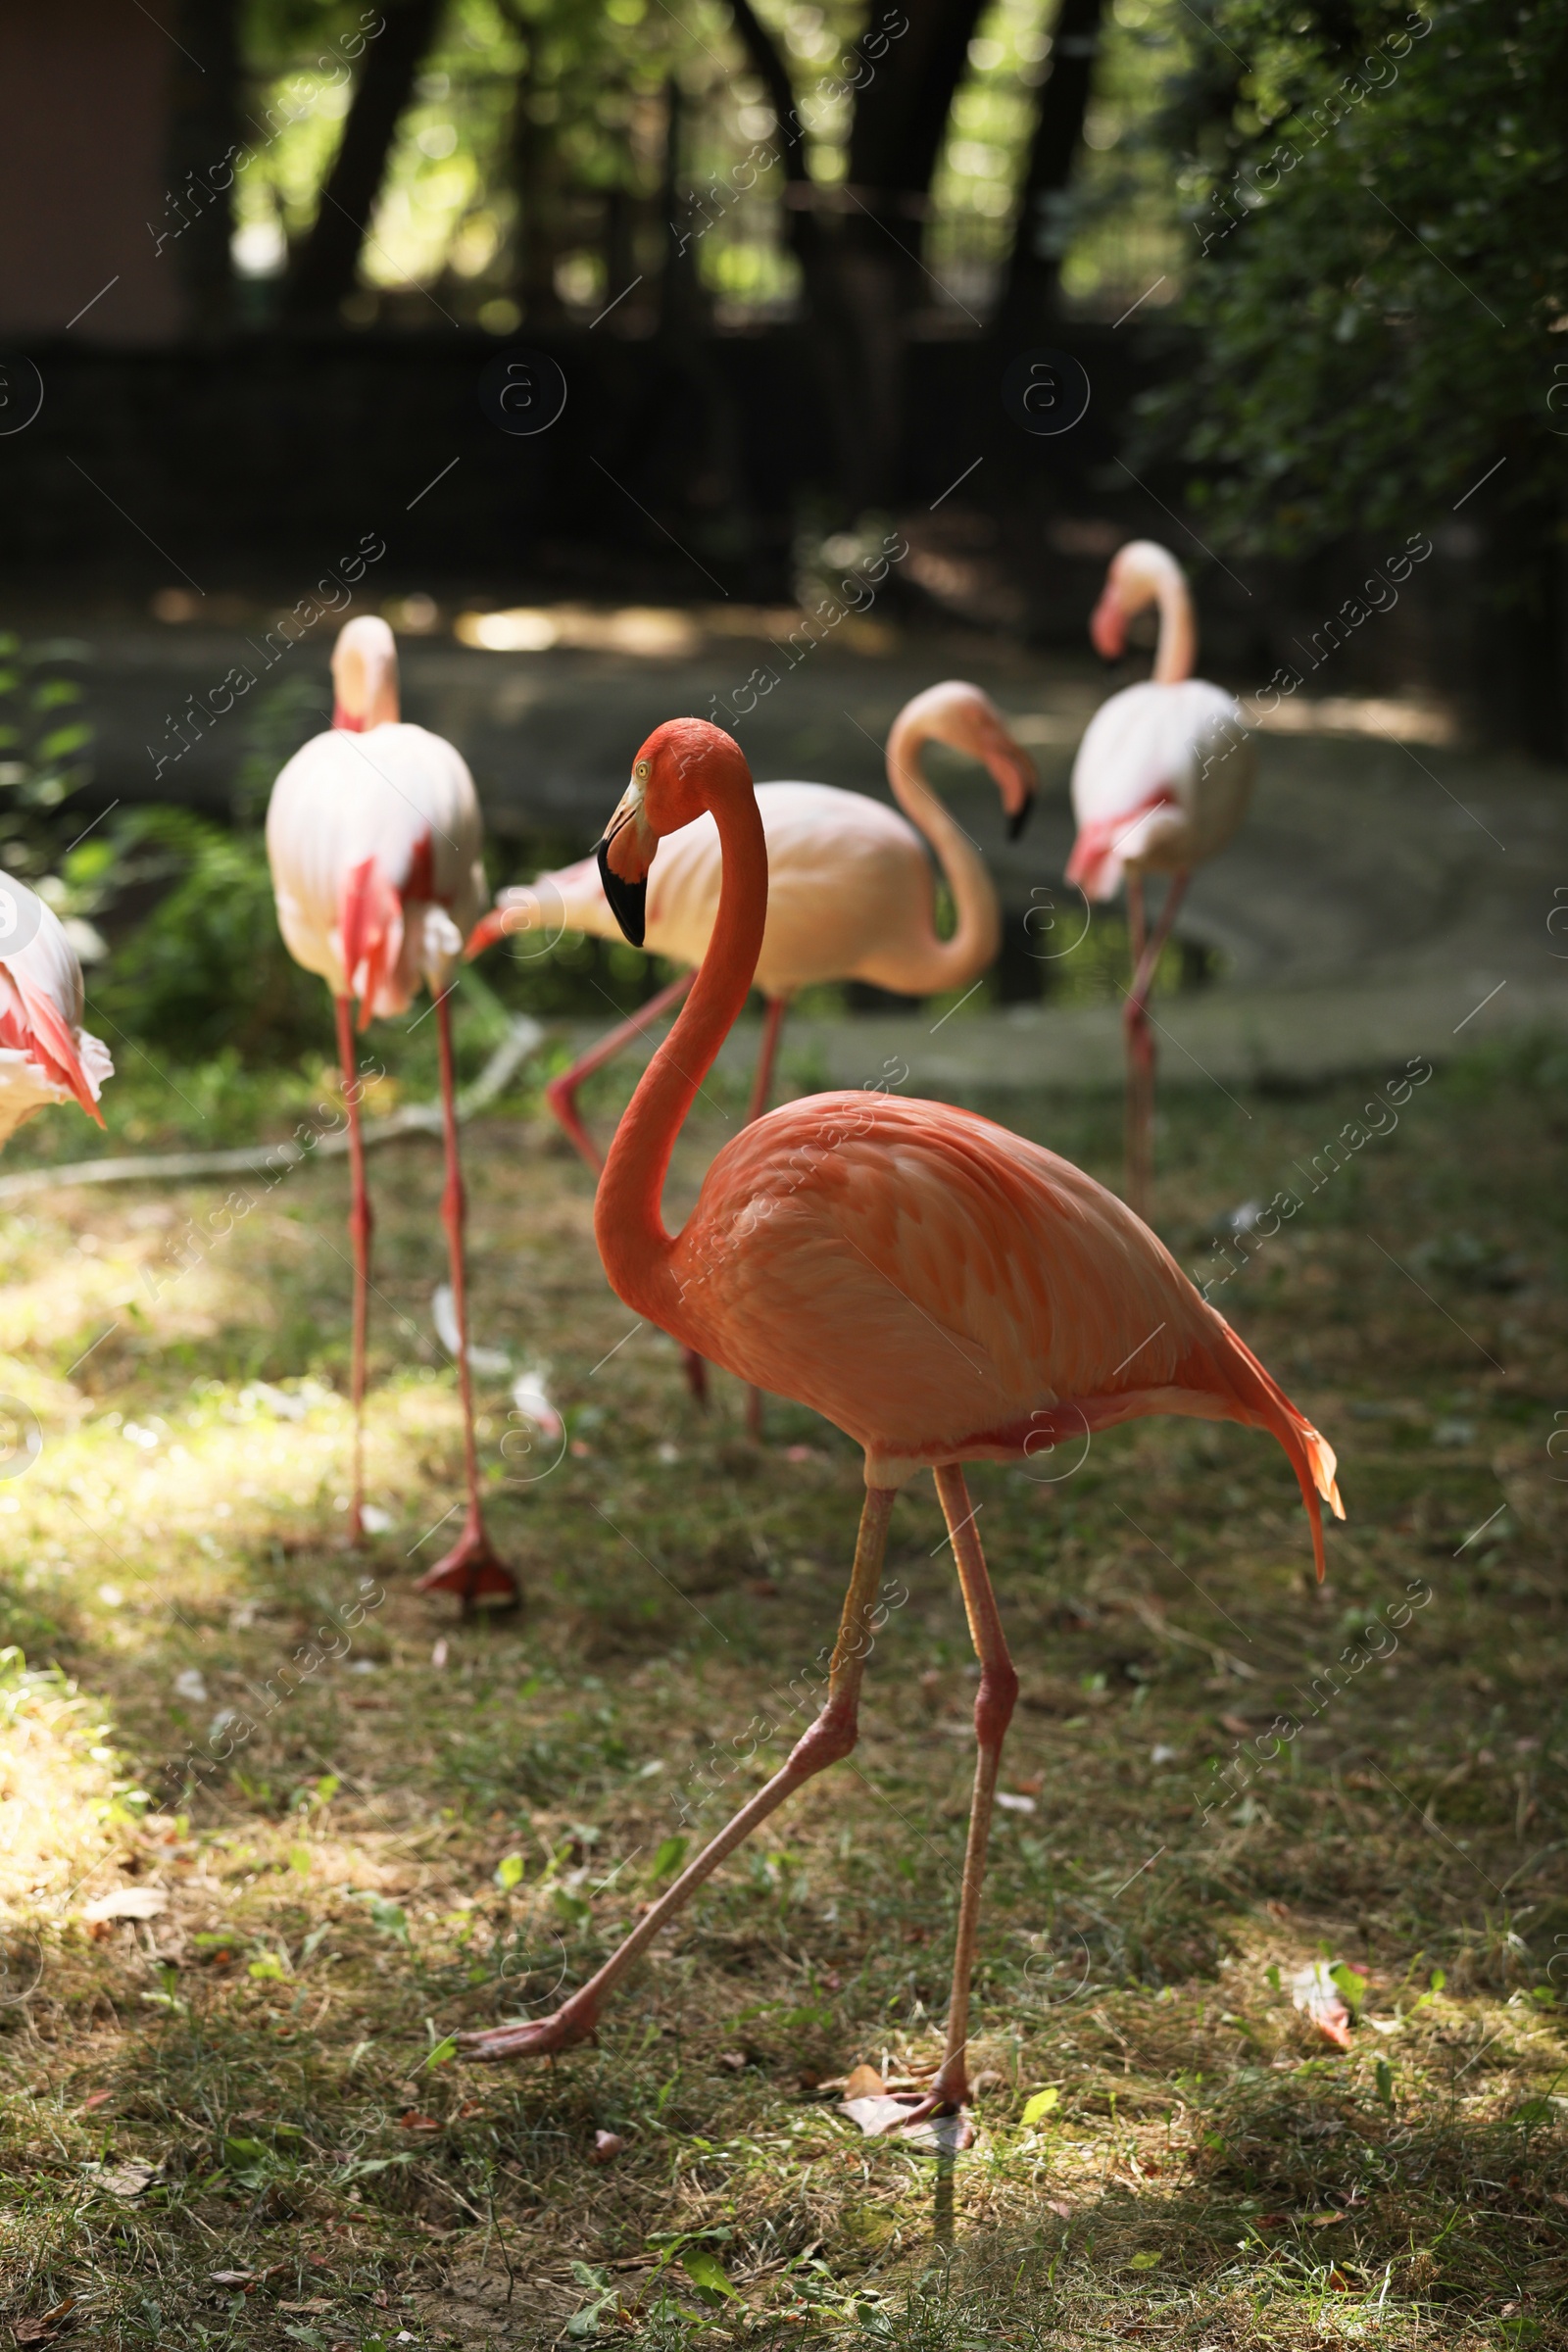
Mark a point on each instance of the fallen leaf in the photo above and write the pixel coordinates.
(608, 2145)
(1039, 2105)
(1060, 2205)
(233, 2277)
(1014, 1804)
(94, 2098)
(1315, 1992)
(886, 2118)
(1032, 1786)
(864, 2083)
(413, 2121)
(1236, 1725)
(315, 2303)
(122, 2179)
(35, 2332)
(733, 2059)
(127, 1902)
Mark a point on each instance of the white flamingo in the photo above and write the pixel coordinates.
(1161, 781)
(375, 840)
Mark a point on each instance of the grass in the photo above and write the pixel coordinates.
(237, 2120)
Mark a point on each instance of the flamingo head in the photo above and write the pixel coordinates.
(681, 770)
(365, 675)
(984, 733)
(1140, 574)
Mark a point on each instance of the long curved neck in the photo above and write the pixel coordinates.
(1177, 648)
(628, 1215)
(977, 936)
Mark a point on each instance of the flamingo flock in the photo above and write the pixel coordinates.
(939, 1289)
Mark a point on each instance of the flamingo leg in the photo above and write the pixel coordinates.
(471, 1567)
(361, 1225)
(762, 1082)
(827, 1740)
(762, 1096)
(1146, 955)
(993, 1712)
(562, 1093)
(562, 1096)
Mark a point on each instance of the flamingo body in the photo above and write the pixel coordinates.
(45, 1054)
(1161, 781)
(851, 897)
(942, 1291)
(376, 842)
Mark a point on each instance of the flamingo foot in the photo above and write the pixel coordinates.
(695, 1368)
(537, 2037)
(473, 1569)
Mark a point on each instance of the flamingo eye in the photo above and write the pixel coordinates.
(640, 772)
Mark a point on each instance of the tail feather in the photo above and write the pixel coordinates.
(370, 924)
(1264, 1404)
(43, 1033)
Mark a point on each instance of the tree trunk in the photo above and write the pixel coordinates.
(324, 270)
(1033, 292)
(863, 279)
(204, 140)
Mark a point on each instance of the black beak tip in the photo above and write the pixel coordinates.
(629, 900)
(1017, 822)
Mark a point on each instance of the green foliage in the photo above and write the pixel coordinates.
(1381, 261)
(208, 967)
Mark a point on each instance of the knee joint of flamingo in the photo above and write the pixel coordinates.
(994, 1703)
(828, 1741)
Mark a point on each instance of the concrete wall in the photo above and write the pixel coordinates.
(85, 87)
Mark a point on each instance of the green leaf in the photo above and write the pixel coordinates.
(390, 1918)
(666, 1861)
(570, 1906)
(509, 1872)
(1273, 1974)
(1039, 2105)
(1352, 1987)
(299, 1858)
(328, 1787)
(268, 1965)
(443, 2053)
(1145, 2262)
(1385, 2075)
(706, 2274)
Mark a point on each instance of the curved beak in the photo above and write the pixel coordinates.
(629, 900)
(624, 856)
(1014, 772)
(1021, 815)
(1107, 627)
(485, 933)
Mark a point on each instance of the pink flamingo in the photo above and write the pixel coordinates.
(376, 842)
(851, 897)
(940, 1289)
(1161, 781)
(45, 1054)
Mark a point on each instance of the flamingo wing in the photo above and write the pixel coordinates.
(1163, 776)
(941, 1289)
(376, 842)
(40, 1018)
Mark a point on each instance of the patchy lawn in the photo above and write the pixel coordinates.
(234, 1955)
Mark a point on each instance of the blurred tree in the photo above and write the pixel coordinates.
(1034, 269)
(1380, 285)
(204, 139)
(324, 271)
